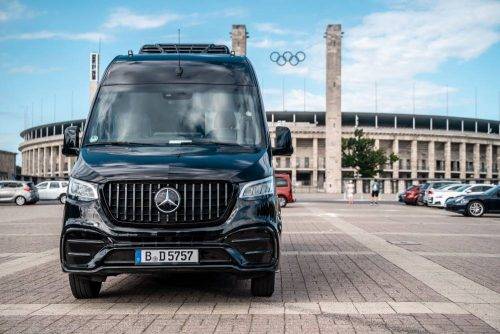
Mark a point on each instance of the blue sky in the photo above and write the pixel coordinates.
(411, 50)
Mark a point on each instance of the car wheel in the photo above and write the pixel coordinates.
(475, 209)
(263, 286)
(20, 200)
(83, 287)
(282, 201)
(62, 198)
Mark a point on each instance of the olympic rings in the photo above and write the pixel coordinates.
(287, 57)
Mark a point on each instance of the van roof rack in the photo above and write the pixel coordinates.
(184, 48)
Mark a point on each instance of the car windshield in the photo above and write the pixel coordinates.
(462, 188)
(174, 114)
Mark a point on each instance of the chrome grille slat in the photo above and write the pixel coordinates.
(201, 201)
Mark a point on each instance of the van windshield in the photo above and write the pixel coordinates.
(173, 114)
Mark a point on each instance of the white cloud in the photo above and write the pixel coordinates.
(13, 10)
(267, 43)
(123, 17)
(44, 34)
(270, 28)
(394, 47)
(31, 69)
(294, 100)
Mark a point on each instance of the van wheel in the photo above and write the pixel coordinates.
(20, 200)
(62, 198)
(83, 287)
(475, 209)
(282, 201)
(263, 286)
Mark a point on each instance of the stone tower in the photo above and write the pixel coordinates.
(239, 37)
(333, 124)
(93, 75)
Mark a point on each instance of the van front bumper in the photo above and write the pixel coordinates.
(247, 244)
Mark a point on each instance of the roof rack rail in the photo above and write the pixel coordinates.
(184, 48)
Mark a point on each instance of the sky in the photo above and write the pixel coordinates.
(426, 57)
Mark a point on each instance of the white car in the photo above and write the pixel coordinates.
(468, 189)
(436, 196)
(50, 190)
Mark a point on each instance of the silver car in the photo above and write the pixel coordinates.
(19, 192)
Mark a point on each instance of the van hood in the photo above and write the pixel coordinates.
(234, 164)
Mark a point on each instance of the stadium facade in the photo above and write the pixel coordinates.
(428, 146)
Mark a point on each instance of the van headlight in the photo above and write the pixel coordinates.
(254, 189)
(81, 190)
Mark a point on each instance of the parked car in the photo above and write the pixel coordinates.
(284, 189)
(421, 195)
(476, 205)
(19, 192)
(467, 189)
(436, 199)
(52, 190)
(432, 185)
(174, 173)
(411, 194)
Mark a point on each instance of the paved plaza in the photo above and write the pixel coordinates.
(346, 269)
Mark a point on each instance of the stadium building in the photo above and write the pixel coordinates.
(428, 146)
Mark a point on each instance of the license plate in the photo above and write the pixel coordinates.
(156, 256)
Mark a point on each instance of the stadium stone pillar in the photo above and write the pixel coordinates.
(60, 158)
(477, 162)
(333, 126)
(315, 163)
(498, 160)
(239, 37)
(463, 160)
(431, 163)
(489, 161)
(395, 165)
(293, 161)
(447, 159)
(414, 159)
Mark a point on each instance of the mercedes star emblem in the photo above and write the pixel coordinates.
(167, 200)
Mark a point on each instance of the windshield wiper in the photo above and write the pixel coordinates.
(120, 143)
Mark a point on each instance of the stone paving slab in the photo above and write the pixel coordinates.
(247, 323)
(331, 279)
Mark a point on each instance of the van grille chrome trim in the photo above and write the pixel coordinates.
(201, 201)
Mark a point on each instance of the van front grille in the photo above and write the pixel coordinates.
(200, 202)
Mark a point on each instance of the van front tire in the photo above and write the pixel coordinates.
(83, 287)
(263, 286)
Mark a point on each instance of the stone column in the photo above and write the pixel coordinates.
(315, 163)
(489, 161)
(52, 164)
(498, 161)
(38, 162)
(60, 157)
(395, 165)
(431, 160)
(463, 160)
(45, 161)
(414, 159)
(477, 162)
(293, 161)
(447, 159)
(239, 37)
(359, 186)
(333, 125)
(387, 186)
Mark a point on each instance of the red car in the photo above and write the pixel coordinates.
(411, 194)
(284, 189)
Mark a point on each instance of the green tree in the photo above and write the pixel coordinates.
(359, 153)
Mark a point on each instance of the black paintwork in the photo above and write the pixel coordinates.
(490, 199)
(227, 242)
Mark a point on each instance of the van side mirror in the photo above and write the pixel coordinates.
(283, 144)
(71, 144)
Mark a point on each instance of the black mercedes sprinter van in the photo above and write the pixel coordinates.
(174, 172)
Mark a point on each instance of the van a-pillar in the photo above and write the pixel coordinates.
(333, 124)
